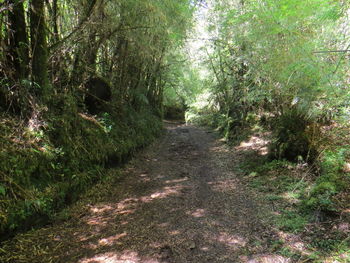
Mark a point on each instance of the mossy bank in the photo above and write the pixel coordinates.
(47, 162)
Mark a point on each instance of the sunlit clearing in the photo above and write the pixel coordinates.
(145, 177)
(127, 206)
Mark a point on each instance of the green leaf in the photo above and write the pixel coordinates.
(2, 190)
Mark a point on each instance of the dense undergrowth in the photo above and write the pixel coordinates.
(310, 211)
(280, 66)
(46, 168)
(84, 85)
(81, 89)
(309, 202)
(329, 168)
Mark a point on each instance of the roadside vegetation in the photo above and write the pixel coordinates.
(81, 89)
(85, 84)
(277, 72)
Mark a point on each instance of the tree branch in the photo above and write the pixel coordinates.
(82, 22)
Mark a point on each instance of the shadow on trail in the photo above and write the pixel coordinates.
(178, 205)
(181, 202)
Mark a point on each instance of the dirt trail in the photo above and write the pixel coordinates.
(178, 201)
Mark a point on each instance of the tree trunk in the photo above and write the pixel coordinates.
(91, 48)
(53, 16)
(18, 40)
(39, 45)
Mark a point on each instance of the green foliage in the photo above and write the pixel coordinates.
(274, 165)
(291, 139)
(118, 57)
(292, 222)
(2, 190)
(106, 121)
(37, 183)
(286, 187)
(321, 195)
(332, 161)
(263, 62)
(331, 181)
(182, 85)
(273, 61)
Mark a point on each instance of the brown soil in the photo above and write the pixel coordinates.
(178, 201)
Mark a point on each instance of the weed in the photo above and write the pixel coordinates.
(292, 221)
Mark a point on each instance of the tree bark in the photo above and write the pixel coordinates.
(18, 40)
(39, 45)
(53, 15)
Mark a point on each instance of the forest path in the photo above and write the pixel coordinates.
(177, 201)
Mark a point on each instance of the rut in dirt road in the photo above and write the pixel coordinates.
(178, 201)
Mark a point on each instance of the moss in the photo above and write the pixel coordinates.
(46, 168)
(291, 221)
(331, 181)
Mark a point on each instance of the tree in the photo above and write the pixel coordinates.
(263, 62)
(18, 53)
(39, 48)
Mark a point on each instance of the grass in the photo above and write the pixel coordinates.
(285, 186)
(299, 199)
(292, 221)
(45, 169)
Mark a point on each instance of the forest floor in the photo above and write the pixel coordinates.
(180, 200)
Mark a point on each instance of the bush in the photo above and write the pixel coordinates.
(292, 140)
(174, 112)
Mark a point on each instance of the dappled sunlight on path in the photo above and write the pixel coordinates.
(178, 201)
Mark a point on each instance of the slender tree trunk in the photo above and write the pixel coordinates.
(53, 15)
(56, 69)
(18, 40)
(54, 20)
(39, 45)
(92, 47)
(84, 53)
